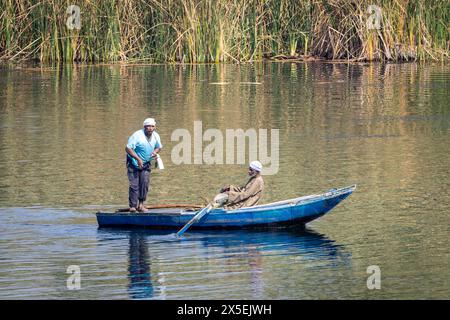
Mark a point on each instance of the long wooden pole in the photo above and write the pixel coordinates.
(162, 206)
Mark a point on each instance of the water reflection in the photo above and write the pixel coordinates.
(158, 262)
(382, 126)
(311, 104)
(139, 273)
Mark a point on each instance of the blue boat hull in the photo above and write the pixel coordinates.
(298, 211)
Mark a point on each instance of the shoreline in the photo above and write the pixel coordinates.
(30, 64)
(223, 31)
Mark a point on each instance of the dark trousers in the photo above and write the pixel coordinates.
(139, 184)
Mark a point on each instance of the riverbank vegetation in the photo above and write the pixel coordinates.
(198, 31)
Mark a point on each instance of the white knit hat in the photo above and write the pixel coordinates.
(149, 122)
(256, 165)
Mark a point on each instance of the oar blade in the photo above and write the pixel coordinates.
(197, 217)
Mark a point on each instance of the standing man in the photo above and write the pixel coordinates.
(142, 147)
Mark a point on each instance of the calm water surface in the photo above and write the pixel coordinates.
(383, 127)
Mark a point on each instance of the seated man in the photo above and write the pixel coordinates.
(250, 193)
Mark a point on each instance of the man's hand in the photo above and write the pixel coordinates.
(140, 163)
(135, 156)
(155, 152)
(224, 189)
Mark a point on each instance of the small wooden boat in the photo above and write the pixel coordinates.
(292, 212)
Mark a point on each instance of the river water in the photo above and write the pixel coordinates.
(384, 127)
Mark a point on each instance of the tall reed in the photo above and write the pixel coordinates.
(223, 30)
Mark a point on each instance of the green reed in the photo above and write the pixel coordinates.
(198, 31)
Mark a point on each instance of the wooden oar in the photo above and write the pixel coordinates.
(196, 218)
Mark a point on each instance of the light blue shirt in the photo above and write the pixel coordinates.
(142, 146)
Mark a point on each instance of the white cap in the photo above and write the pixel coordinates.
(149, 122)
(256, 165)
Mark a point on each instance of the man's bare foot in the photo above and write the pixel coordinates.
(142, 207)
(132, 209)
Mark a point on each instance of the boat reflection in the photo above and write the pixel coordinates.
(157, 255)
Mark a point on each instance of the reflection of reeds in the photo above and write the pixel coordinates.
(223, 30)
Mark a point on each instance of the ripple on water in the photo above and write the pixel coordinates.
(384, 127)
